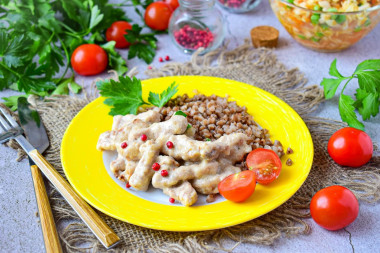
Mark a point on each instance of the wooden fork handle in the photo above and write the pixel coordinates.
(102, 231)
(49, 230)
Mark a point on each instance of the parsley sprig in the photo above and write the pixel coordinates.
(367, 95)
(125, 96)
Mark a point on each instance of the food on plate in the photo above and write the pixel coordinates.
(157, 15)
(116, 33)
(350, 147)
(319, 25)
(89, 59)
(334, 207)
(167, 147)
(265, 163)
(289, 162)
(264, 36)
(238, 187)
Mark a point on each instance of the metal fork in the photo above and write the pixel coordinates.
(101, 230)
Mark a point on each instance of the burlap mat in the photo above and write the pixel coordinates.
(257, 67)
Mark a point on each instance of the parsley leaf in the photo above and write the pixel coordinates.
(115, 60)
(125, 96)
(367, 95)
(160, 100)
(143, 45)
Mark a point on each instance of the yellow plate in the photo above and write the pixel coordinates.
(84, 168)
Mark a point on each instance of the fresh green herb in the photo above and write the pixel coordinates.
(367, 95)
(358, 29)
(315, 18)
(160, 100)
(188, 126)
(317, 8)
(340, 19)
(319, 34)
(208, 139)
(315, 39)
(181, 113)
(125, 96)
(301, 36)
(324, 26)
(37, 39)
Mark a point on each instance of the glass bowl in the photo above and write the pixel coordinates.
(325, 31)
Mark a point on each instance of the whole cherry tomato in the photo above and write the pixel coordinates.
(89, 59)
(157, 15)
(350, 147)
(238, 187)
(265, 163)
(334, 207)
(116, 33)
(173, 3)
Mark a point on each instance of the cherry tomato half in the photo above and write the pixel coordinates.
(265, 163)
(89, 59)
(238, 187)
(350, 147)
(334, 207)
(157, 15)
(116, 33)
(173, 3)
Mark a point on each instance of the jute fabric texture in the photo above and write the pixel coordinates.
(258, 67)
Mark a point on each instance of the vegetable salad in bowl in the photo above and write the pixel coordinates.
(327, 25)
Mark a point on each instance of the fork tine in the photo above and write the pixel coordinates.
(9, 118)
(4, 123)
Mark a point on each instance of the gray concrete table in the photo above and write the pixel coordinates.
(19, 227)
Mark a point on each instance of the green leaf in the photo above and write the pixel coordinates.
(65, 84)
(11, 101)
(207, 139)
(367, 103)
(188, 126)
(160, 100)
(369, 80)
(330, 85)
(124, 96)
(315, 18)
(347, 112)
(96, 16)
(333, 70)
(180, 113)
(368, 65)
(143, 45)
(340, 19)
(115, 61)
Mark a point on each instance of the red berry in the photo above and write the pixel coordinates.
(123, 145)
(149, 67)
(160, 59)
(127, 185)
(156, 166)
(164, 173)
(171, 200)
(167, 58)
(143, 137)
(169, 144)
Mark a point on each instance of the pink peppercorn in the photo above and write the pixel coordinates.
(164, 173)
(160, 59)
(127, 185)
(143, 137)
(156, 166)
(167, 58)
(193, 38)
(149, 67)
(169, 144)
(123, 145)
(171, 200)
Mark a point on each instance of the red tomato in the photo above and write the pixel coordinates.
(157, 15)
(238, 187)
(334, 207)
(350, 147)
(265, 163)
(173, 3)
(89, 59)
(116, 33)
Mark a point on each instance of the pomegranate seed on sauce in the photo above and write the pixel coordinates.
(123, 145)
(171, 200)
(143, 137)
(156, 166)
(169, 144)
(164, 173)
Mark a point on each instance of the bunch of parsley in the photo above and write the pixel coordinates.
(37, 38)
(367, 95)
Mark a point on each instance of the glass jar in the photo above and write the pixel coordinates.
(195, 24)
(238, 6)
